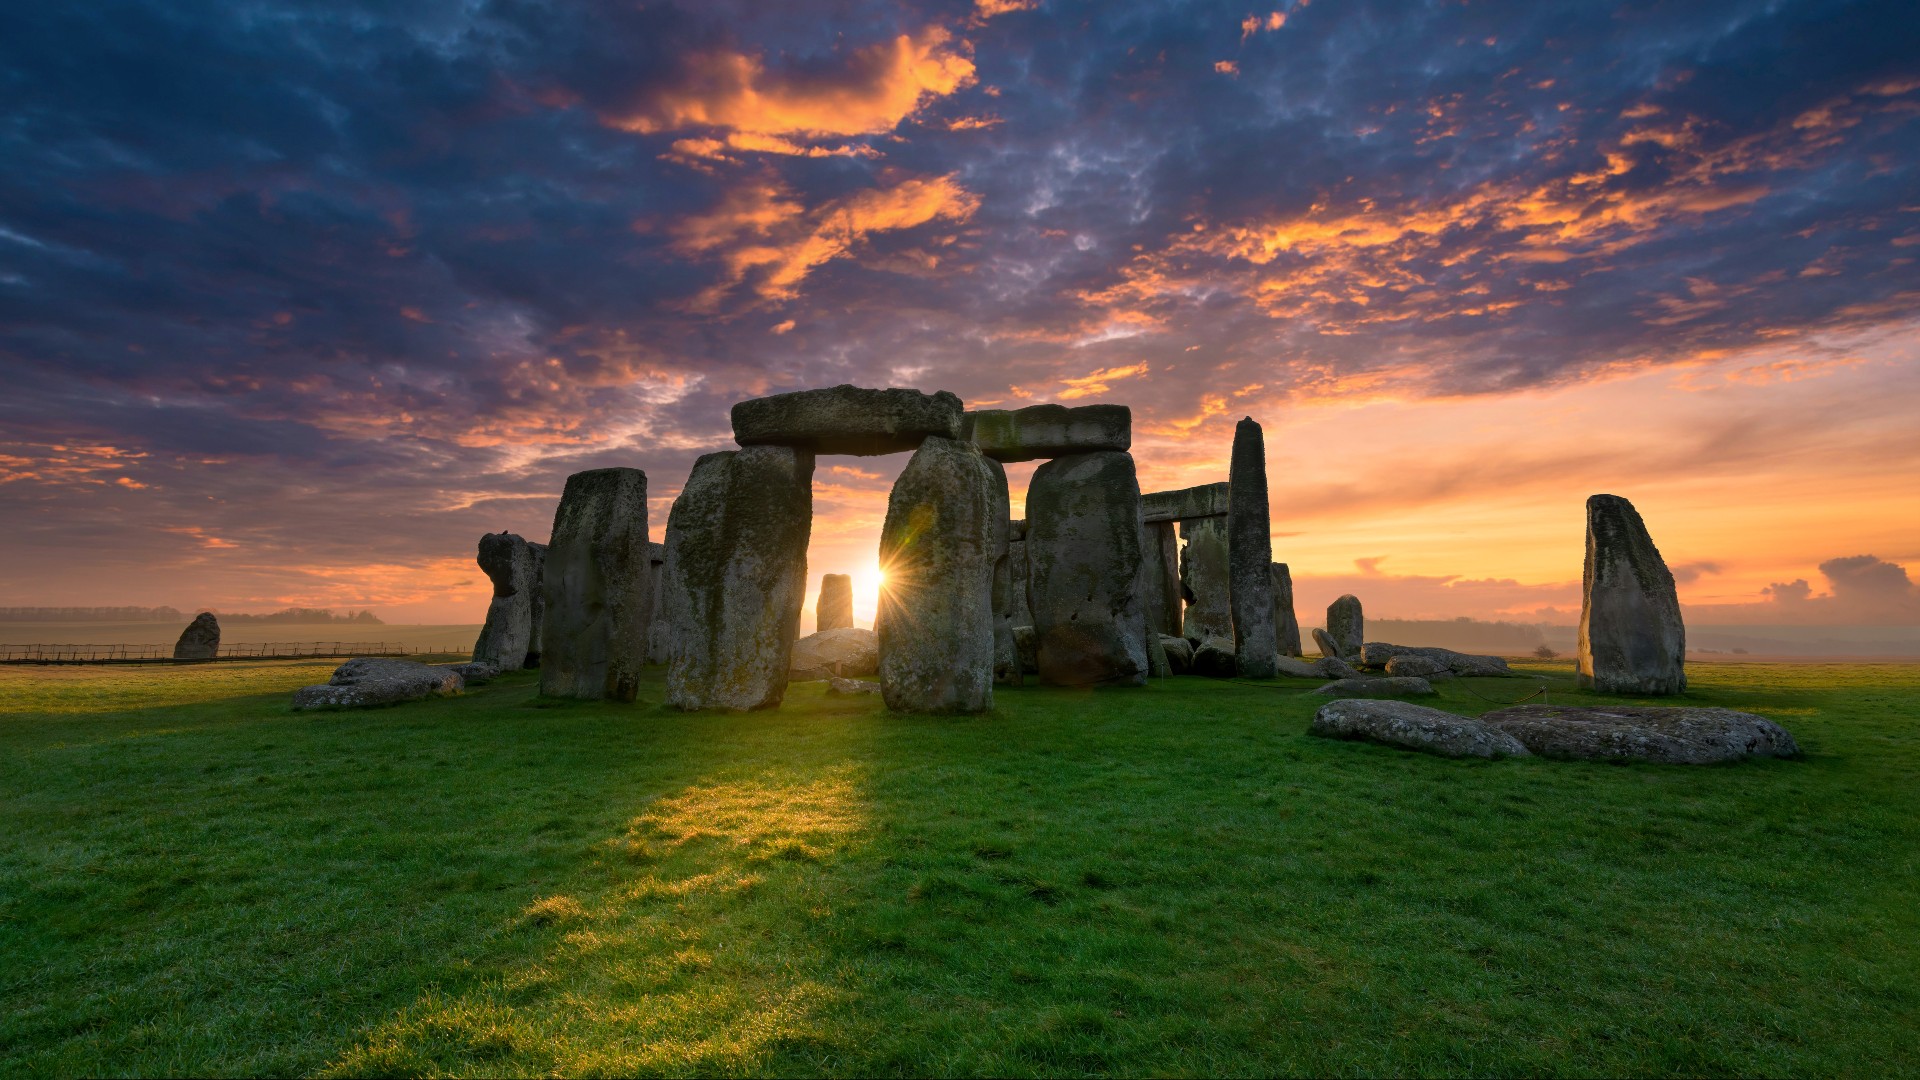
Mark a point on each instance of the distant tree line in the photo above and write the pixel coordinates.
(91, 614)
(302, 615)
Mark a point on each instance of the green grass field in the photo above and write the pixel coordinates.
(1177, 880)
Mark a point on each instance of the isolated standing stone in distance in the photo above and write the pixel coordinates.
(1631, 638)
(200, 640)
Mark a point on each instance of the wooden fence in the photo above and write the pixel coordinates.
(163, 654)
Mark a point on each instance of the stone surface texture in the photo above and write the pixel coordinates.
(507, 636)
(848, 420)
(1083, 555)
(1672, 736)
(1250, 554)
(537, 617)
(1203, 579)
(1286, 627)
(1347, 626)
(1049, 431)
(1326, 667)
(852, 686)
(1324, 642)
(1413, 727)
(598, 584)
(473, 672)
(1186, 504)
(1419, 667)
(1631, 638)
(1378, 655)
(1377, 687)
(1006, 654)
(1160, 577)
(659, 633)
(736, 576)
(1214, 658)
(379, 680)
(834, 609)
(1026, 644)
(200, 640)
(938, 548)
(847, 650)
(1179, 653)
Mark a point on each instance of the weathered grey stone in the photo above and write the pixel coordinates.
(1333, 667)
(1286, 628)
(1347, 627)
(473, 672)
(834, 609)
(1378, 655)
(1413, 727)
(1026, 644)
(848, 420)
(1083, 554)
(1418, 667)
(376, 680)
(1214, 658)
(938, 549)
(200, 640)
(1158, 665)
(1372, 688)
(852, 686)
(1326, 667)
(599, 588)
(1324, 642)
(1006, 654)
(1016, 530)
(1203, 579)
(1631, 638)
(1675, 736)
(847, 650)
(1179, 653)
(1049, 431)
(537, 617)
(1185, 504)
(736, 577)
(659, 630)
(507, 637)
(1250, 554)
(1160, 578)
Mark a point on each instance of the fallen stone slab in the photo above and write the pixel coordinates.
(847, 651)
(1379, 654)
(1674, 736)
(1327, 667)
(1049, 431)
(378, 680)
(1215, 659)
(838, 685)
(1413, 727)
(1185, 504)
(1415, 666)
(200, 640)
(473, 672)
(1370, 688)
(848, 420)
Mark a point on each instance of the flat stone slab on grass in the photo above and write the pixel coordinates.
(1184, 504)
(1368, 688)
(847, 651)
(379, 680)
(1413, 727)
(1673, 735)
(852, 686)
(1378, 654)
(1049, 431)
(1327, 667)
(848, 420)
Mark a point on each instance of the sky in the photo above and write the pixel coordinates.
(298, 299)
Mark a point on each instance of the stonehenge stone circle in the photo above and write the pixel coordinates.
(598, 587)
(1347, 627)
(834, 609)
(1049, 431)
(1673, 736)
(379, 680)
(200, 640)
(1203, 578)
(1325, 643)
(1185, 504)
(1160, 578)
(1412, 727)
(1083, 559)
(537, 617)
(1006, 654)
(938, 548)
(507, 637)
(848, 420)
(1286, 627)
(1250, 554)
(1631, 638)
(736, 577)
(848, 651)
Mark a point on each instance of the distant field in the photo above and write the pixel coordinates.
(1175, 880)
(146, 633)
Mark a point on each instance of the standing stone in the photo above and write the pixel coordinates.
(1006, 654)
(1631, 638)
(1160, 578)
(200, 640)
(736, 577)
(599, 591)
(834, 609)
(1286, 628)
(1083, 554)
(537, 617)
(938, 549)
(1019, 610)
(1203, 579)
(659, 630)
(1250, 554)
(507, 636)
(1347, 627)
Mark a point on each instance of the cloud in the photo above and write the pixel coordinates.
(1861, 590)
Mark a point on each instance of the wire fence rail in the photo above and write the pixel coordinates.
(163, 654)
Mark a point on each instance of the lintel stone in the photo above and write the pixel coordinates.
(1049, 431)
(848, 420)
(1185, 504)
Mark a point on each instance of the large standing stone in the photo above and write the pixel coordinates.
(1631, 638)
(1347, 626)
(736, 577)
(598, 587)
(1083, 554)
(200, 640)
(1250, 554)
(1286, 628)
(1203, 579)
(1185, 504)
(1160, 578)
(507, 637)
(1019, 611)
(537, 638)
(1643, 733)
(659, 630)
(1006, 653)
(834, 609)
(938, 549)
(1049, 431)
(848, 420)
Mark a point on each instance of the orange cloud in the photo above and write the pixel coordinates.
(1097, 382)
(987, 9)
